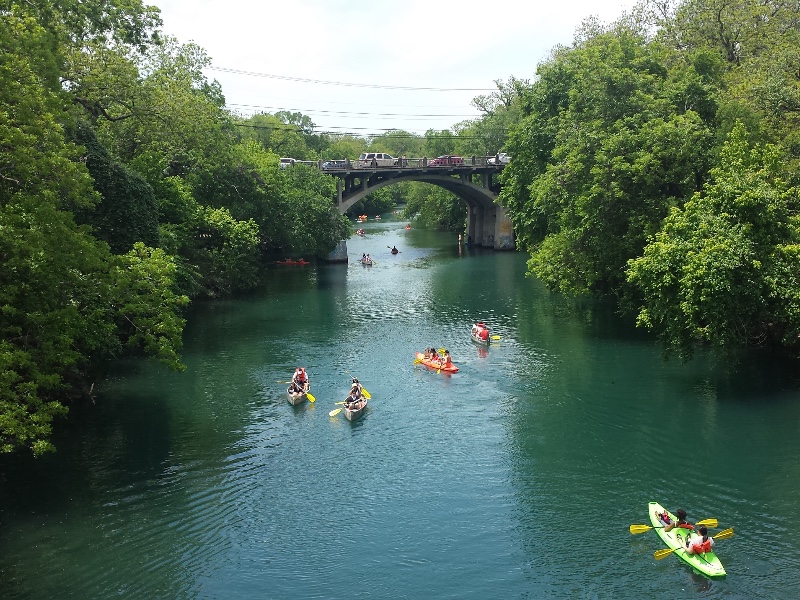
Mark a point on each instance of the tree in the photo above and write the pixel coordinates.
(437, 208)
(128, 210)
(603, 155)
(723, 270)
(59, 286)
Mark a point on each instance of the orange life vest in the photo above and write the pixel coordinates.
(701, 546)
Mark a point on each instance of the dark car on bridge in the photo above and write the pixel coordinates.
(446, 160)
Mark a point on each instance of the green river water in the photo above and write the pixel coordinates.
(515, 478)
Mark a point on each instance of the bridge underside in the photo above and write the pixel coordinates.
(487, 223)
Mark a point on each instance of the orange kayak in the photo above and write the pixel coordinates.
(434, 364)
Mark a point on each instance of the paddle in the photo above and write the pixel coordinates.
(310, 397)
(334, 412)
(642, 528)
(722, 535)
(366, 393)
(496, 337)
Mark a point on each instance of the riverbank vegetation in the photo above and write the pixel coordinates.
(657, 161)
(127, 190)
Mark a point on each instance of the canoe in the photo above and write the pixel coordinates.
(366, 263)
(434, 364)
(478, 340)
(708, 564)
(292, 262)
(295, 398)
(352, 415)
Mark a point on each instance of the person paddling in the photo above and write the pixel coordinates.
(681, 522)
(700, 544)
(300, 381)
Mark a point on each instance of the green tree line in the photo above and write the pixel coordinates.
(655, 161)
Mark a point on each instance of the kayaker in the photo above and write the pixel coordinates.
(300, 380)
(446, 361)
(364, 257)
(681, 522)
(700, 544)
(395, 250)
(352, 401)
(355, 389)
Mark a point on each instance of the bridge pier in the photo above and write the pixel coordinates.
(339, 254)
(488, 226)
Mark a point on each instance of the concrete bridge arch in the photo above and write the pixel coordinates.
(487, 223)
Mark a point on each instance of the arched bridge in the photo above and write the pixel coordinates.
(473, 179)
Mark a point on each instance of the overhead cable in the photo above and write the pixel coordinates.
(347, 84)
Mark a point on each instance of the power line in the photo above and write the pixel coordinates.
(346, 84)
(350, 113)
(373, 132)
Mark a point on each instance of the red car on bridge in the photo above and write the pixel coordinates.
(446, 160)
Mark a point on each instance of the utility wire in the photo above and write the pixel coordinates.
(342, 112)
(383, 132)
(346, 84)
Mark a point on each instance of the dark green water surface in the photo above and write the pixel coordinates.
(515, 478)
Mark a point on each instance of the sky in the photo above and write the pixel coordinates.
(364, 67)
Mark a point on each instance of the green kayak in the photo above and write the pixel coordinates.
(707, 564)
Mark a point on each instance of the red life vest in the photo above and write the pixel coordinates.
(686, 525)
(300, 376)
(701, 546)
(484, 334)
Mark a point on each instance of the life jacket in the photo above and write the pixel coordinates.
(702, 546)
(300, 376)
(686, 525)
(484, 334)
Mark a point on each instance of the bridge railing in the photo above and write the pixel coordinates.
(401, 163)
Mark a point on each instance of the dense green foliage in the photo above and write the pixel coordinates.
(127, 189)
(656, 160)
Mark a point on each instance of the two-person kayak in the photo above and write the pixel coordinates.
(434, 363)
(706, 563)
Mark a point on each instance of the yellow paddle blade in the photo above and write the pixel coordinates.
(337, 403)
(366, 394)
(724, 534)
(640, 528)
(659, 554)
(441, 350)
(310, 397)
(334, 412)
(496, 337)
(708, 522)
(417, 361)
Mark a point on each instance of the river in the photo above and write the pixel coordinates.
(517, 477)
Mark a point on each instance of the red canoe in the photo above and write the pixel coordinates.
(434, 364)
(292, 262)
